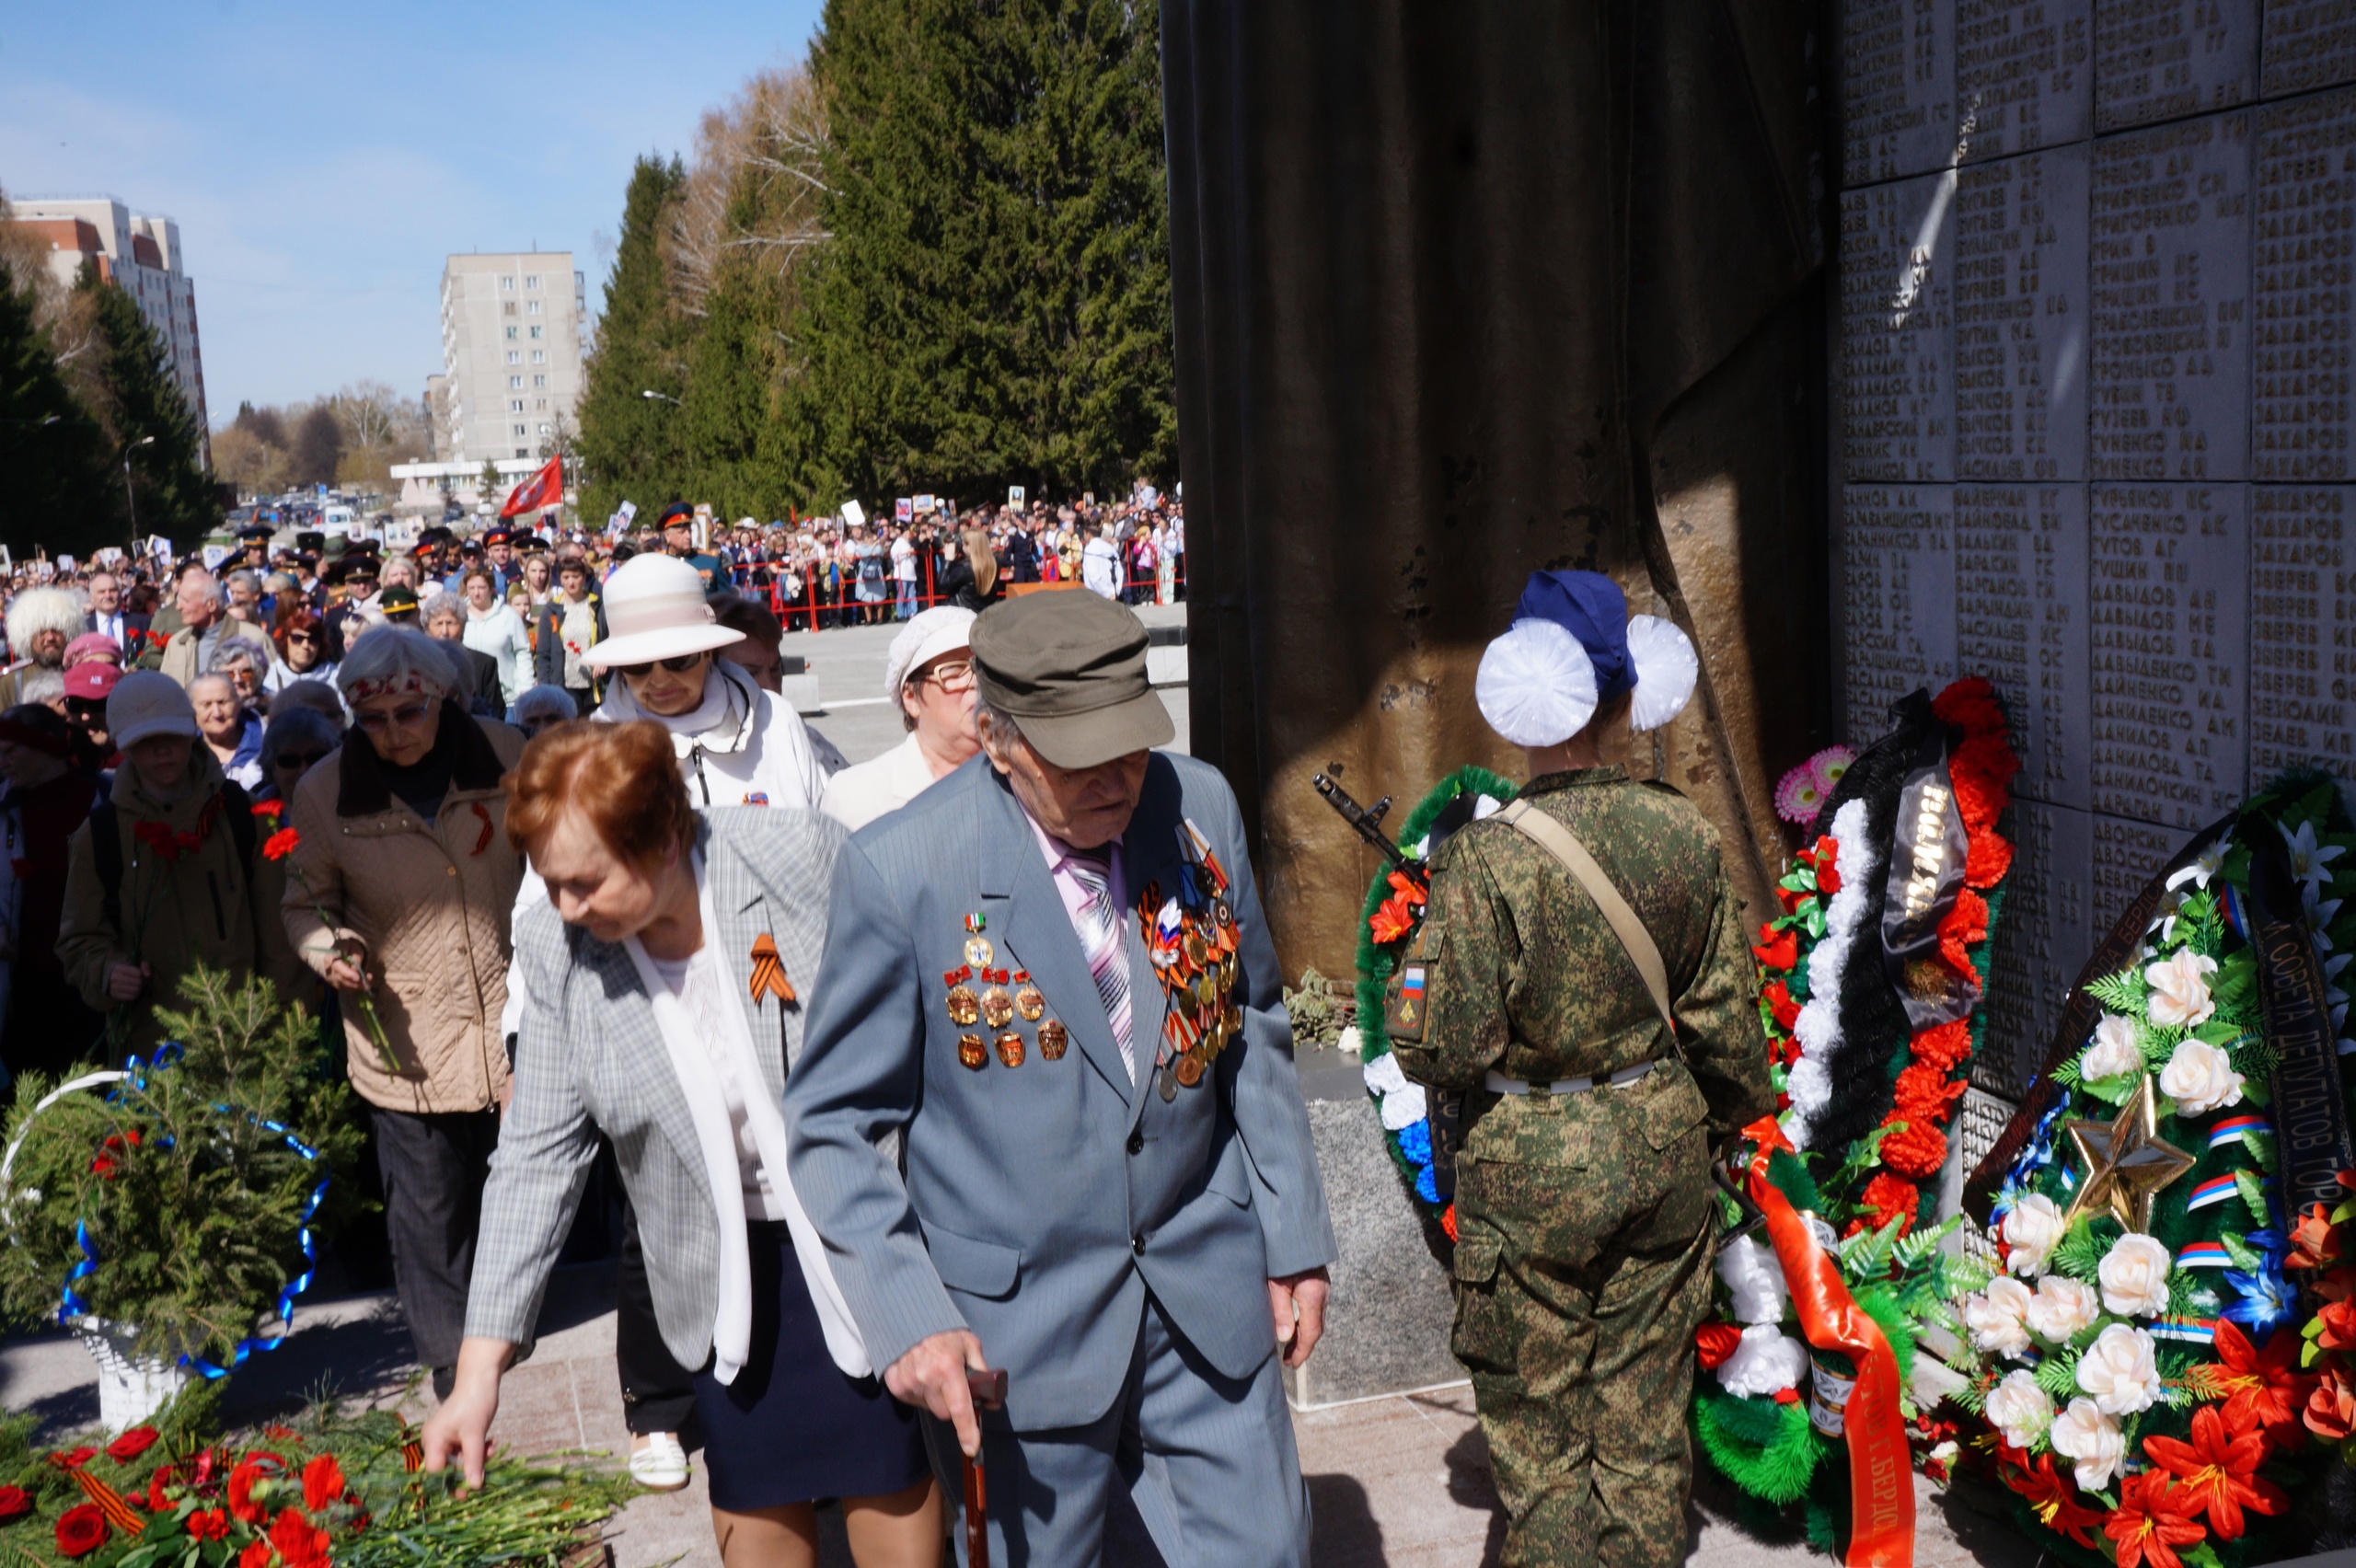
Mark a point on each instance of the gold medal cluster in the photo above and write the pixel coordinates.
(1193, 942)
(995, 1005)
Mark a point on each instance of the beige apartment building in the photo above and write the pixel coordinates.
(512, 330)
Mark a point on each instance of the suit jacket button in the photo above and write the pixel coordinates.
(1137, 1142)
(1137, 1243)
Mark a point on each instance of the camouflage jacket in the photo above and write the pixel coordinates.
(1521, 972)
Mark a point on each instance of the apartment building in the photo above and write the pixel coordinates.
(141, 254)
(512, 330)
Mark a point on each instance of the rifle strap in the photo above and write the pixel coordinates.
(1642, 951)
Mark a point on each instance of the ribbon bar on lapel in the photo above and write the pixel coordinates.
(769, 971)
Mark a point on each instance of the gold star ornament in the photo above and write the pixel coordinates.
(2124, 1164)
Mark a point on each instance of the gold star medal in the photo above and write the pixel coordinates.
(2125, 1164)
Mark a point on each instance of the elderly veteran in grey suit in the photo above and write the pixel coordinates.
(668, 971)
(1049, 975)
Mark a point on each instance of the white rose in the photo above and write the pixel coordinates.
(2134, 1275)
(2114, 1051)
(2200, 1078)
(2019, 1409)
(2118, 1370)
(1996, 1317)
(2061, 1307)
(1767, 1362)
(2180, 988)
(2032, 1230)
(2085, 1434)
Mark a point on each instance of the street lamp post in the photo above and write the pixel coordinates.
(129, 500)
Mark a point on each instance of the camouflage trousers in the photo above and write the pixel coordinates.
(1586, 1225)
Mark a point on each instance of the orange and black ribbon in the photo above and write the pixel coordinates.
(1881, 1470)
(768, 972)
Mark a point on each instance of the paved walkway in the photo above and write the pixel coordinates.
(1401, 1481)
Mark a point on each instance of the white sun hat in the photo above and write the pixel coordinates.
(656, 609)
(943, 628)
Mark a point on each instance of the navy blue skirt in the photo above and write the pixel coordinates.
(791, 1428)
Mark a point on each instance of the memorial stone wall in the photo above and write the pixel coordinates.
(2093, 426)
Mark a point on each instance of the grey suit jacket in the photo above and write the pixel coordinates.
(1041, 1202)
(589, 1059)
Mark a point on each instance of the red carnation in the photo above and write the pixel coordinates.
(1778, 949)
(322, 1482)
(81, 1530)
(1448, 1221)
(241, 1491)
(297, 1543)
(74, 1460)
(268, 810)
(14, 1503)
(1779, 1002)
(281, 843)
(208, 1524)
(1945, 1046)
(256, 1555)
(132, 1444)
(1917, 1149)
(1888, 1198)
(1714, 1343)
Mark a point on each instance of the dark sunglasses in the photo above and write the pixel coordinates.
(300, 637)
(678, 666)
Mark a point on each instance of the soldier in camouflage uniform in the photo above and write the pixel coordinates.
(1585, 1213)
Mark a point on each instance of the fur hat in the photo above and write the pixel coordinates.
(37, 610)
(1573, 647)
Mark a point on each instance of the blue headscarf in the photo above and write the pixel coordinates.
(1590, 606)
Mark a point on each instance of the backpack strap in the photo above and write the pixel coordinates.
(1564, 845)
(106, 857)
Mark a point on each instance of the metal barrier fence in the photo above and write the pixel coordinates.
(819, 607)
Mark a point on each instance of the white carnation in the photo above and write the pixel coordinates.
(2085, 1434)
(2114, 1051)
(2180, 986)
(1767, 1362)
(2019, 1409)
(2061, 1307)
(2032, 1230)
(1754, 1279)
(1998, 1316)
(2200, 1078)
(1810, 1084)
(2119, 1371)
(2134, 1275)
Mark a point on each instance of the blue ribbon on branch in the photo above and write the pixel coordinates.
(73, 1304)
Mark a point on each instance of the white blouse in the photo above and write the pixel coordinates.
(701, 983)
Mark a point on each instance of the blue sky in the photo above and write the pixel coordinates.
(321, 159)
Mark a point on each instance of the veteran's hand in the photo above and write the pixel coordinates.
(126, 981)
(462, 1424)
(1299, 1303)
(931, 1377)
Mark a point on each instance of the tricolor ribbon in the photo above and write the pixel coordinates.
(768, 972)
(1881, 1473)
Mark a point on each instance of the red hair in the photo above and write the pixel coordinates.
(623, 777)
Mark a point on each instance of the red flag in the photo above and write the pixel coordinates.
(543, 489)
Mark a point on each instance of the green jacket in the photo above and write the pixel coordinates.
(1522, 975)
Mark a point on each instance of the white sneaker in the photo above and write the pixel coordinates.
(662, 1465)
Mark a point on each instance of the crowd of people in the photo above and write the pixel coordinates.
(946, 1101)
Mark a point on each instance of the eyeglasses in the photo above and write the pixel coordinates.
(300, 759)
(302, 637)
(954, 676)
(408, 717)
(678, 666)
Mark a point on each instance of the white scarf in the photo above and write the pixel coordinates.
(720, 722)
(731, 1330)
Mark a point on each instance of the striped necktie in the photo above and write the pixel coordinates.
(1100, 934)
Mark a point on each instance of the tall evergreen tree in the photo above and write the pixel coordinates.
(630, 444)
(57, 492)
(142, 408)
(994, 303)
